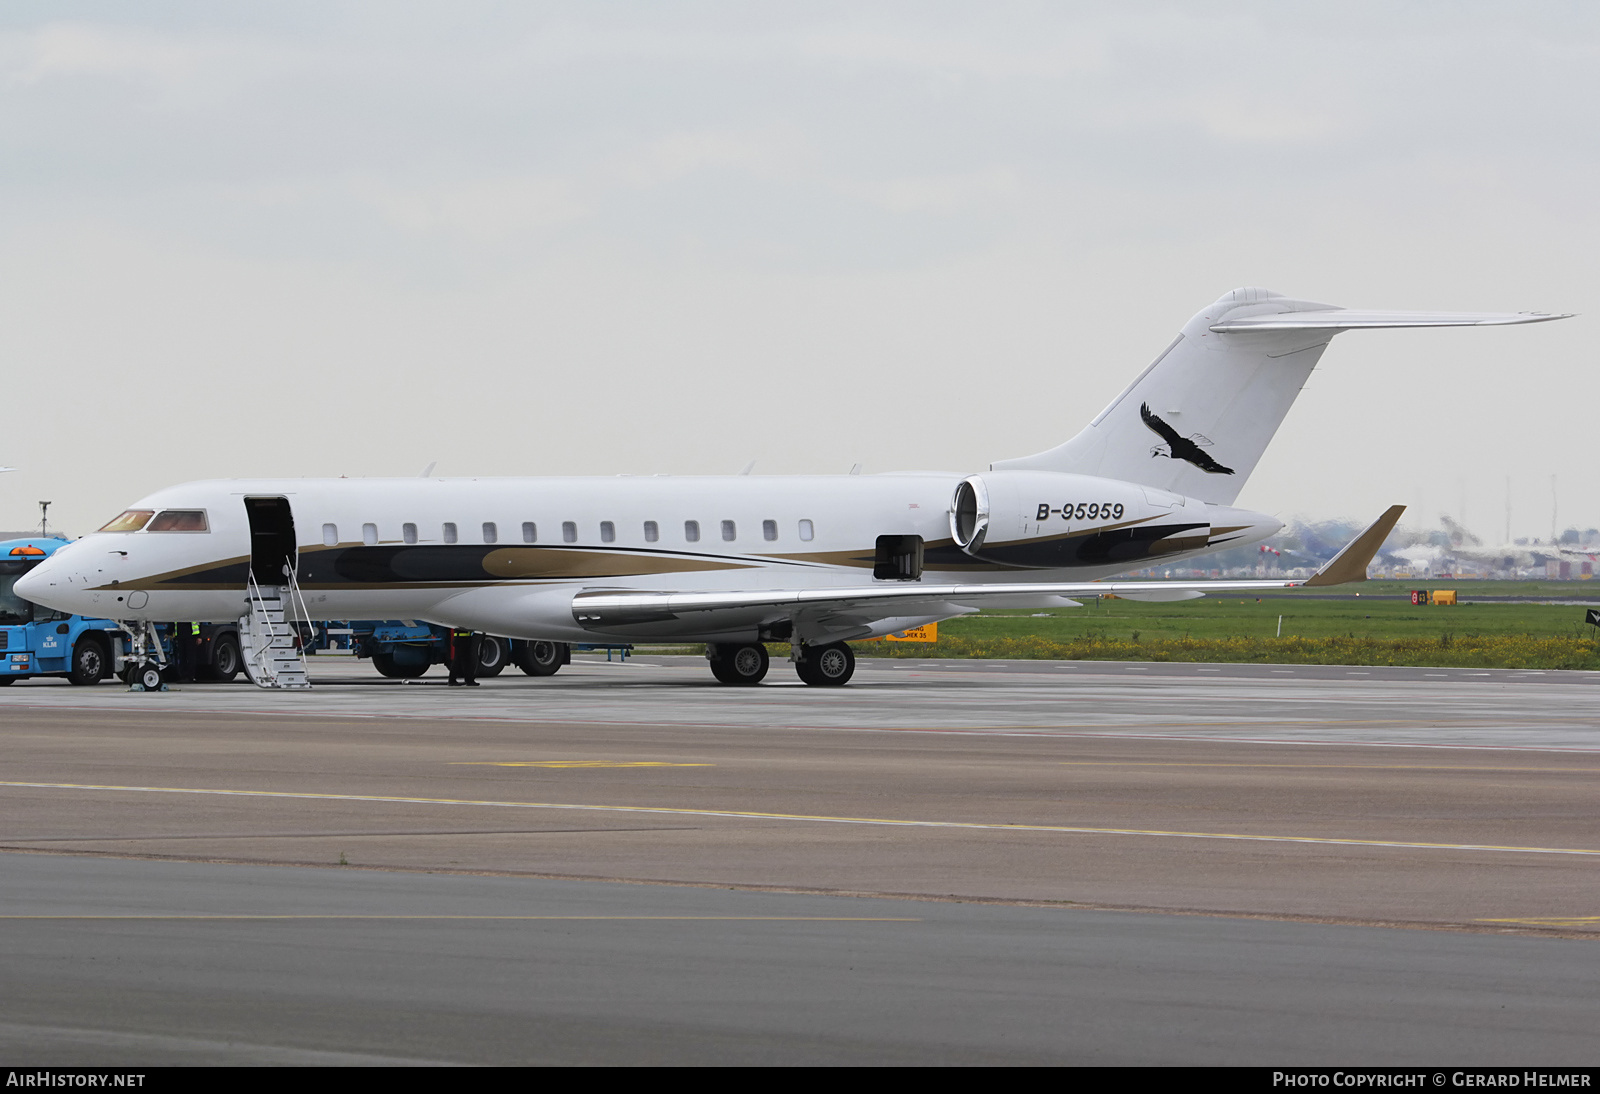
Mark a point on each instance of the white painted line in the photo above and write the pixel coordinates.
(740, 814)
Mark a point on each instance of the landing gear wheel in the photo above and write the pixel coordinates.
(226, 660)
(148, 676)
(742, 665)
(827, 666)
(89, 662)
(387, 666)
(492, 653)
(542, 658)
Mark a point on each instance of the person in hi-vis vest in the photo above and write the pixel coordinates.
(465, 649)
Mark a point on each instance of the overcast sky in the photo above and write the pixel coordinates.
(549, 238)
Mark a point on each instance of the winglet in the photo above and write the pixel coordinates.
(1351, 563)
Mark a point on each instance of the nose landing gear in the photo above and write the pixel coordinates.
(143, 665)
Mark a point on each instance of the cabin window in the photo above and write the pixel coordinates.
(180, 520)
(652, 531)
(130, 521)
(408, 532)
(569, 532)
(369, 534)
(491, 534)
(691, 531)
(806, 531)
(530, 532)
(608, 532)
(449, 532)
(729, 532)
(330, 535)
(769, 530)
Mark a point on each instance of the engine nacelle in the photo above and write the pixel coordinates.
(1049, 520)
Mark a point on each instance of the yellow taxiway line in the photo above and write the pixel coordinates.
(571, 764)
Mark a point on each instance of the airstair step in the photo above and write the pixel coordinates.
(269, 641)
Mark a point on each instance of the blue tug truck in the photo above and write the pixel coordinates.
(38, 641)
(404, 649)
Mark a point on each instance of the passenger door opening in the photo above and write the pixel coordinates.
(272, 543)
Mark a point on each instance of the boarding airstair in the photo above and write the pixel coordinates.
(268, 638)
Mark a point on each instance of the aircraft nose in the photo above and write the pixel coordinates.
(33, 584)
(47, 584)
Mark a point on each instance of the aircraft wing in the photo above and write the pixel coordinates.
(619, 609)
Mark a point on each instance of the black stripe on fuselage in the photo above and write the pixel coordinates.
(1119, 545)
(422, 565)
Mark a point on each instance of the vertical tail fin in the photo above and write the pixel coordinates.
(1198, 419)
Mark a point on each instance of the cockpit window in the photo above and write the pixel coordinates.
(180, 520)
(13, 609)
(130, 520)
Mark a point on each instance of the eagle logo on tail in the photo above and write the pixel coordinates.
(1180, 448)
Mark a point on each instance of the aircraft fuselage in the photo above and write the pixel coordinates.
(507, 555)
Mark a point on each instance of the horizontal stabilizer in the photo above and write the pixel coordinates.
(1337, 319)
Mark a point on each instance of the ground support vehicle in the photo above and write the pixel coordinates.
(405, 649)
(37, 641)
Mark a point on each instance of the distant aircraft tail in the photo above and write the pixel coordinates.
(1198, 419)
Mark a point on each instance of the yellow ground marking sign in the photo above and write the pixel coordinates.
(744, 814)
(929, 633)
(572, 763)
(1550, 921)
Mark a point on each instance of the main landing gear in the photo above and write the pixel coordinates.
(745, 664)
(826, 666)
(736, 664)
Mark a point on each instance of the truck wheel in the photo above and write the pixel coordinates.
(5, 680)
(226, 660)
(89, 662)
(387, 666)
(542, 658)
(492, 655)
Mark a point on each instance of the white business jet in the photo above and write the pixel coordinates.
(737, 561)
